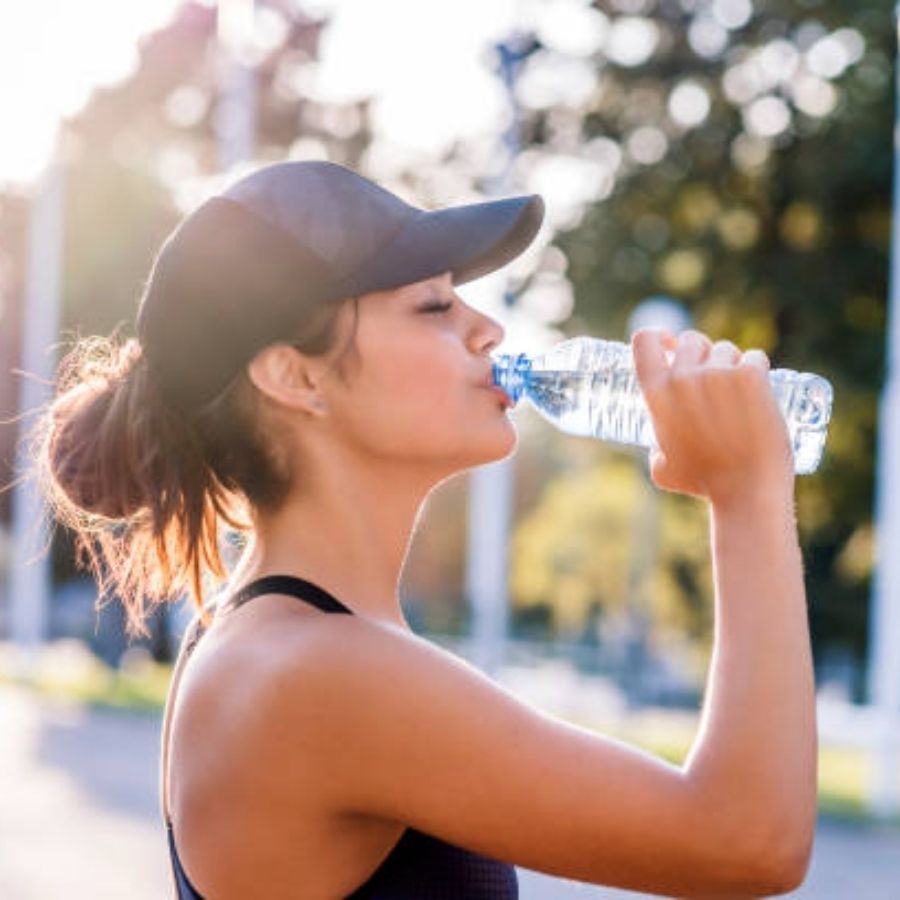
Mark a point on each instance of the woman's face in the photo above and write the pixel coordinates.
(416, 391)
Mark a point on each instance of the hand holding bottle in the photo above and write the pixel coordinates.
(719, 429)
(588, 386)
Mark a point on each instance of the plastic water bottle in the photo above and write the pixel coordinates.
(588, 386)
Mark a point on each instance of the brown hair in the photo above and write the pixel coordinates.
(146, 490)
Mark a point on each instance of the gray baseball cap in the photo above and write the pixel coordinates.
(250, 263)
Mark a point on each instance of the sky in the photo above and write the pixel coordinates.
(424, 66)
(52, 54)
(428, 76)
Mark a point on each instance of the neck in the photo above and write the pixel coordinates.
(348, 531)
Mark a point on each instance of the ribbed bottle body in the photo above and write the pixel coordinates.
(588, 386)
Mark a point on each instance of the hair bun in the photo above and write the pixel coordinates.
(90, 447)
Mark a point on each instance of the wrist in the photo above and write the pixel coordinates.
(754, 498)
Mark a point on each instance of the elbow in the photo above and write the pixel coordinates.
(781, 863)
(762, 849)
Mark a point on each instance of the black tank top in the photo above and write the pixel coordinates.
(419, 866)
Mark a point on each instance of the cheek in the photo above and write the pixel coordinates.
(423, 404)
(415, 399)
(424, 377)
(416, 404)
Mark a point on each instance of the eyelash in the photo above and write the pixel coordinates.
(437, 307)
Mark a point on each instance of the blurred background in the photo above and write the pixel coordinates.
(719, 164)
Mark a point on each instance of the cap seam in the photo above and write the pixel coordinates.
(268, 222)
(349, 277)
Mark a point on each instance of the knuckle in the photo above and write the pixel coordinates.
(692, 340)
(716, 376)
(680, 379)
(683, 342)
(750, 376)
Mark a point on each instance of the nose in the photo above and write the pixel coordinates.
(486, 333)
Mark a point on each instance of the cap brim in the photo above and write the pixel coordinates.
(469, 241)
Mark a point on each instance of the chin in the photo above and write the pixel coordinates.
(511, 444)
(504, 443)
(485, 445)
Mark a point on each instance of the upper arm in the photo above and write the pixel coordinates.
(192, 633)
(397, 728)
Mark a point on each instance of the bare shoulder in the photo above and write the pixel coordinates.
(391, 726)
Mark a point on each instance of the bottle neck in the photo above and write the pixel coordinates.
(510, 372)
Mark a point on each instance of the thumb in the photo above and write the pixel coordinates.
(648, 346)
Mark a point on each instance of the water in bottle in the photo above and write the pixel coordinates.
(588, 386)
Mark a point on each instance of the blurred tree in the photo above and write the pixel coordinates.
(13, 227)
(140, 154)
(434, 573)
(581, 535)
(738, 156)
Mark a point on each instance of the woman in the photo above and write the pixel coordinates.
(305, 372)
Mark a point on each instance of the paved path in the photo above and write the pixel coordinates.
(79, 817)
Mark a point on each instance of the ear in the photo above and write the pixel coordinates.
(288, 377)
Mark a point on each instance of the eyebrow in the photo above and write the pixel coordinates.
(420, 288)
(437, 282)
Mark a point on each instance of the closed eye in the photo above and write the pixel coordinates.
(436, 307)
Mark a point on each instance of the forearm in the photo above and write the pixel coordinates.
(756, 749)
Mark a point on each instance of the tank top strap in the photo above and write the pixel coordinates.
(292, 585)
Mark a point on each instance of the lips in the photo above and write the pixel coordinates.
(489, 383)
(496, 389)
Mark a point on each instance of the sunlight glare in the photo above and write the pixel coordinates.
(61, 51)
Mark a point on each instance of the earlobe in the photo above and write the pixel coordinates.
(315, 400)
(310, 393)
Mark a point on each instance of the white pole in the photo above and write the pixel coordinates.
(490, 496)
(884, 617)
(30, 575)
(489, 514)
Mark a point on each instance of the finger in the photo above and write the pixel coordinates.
(651, 367)
(670, 343)
(724, 354)
(692, 349)
(669, 340)
(756, 357)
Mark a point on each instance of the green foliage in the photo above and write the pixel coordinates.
(769, 222)
(602, 536)
(773, 233)
(572, 549)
